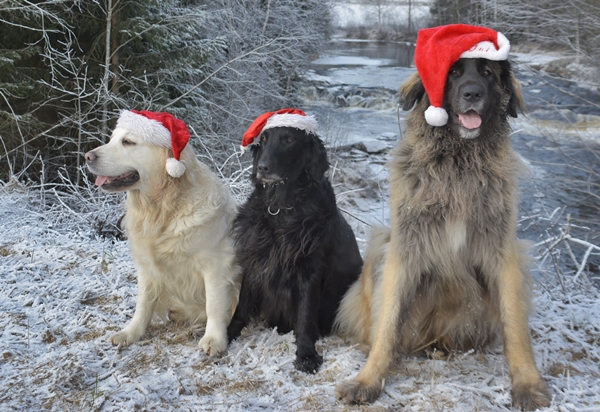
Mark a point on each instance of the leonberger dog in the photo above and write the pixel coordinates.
(178, 229)
(450, 273)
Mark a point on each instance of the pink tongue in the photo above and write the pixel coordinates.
(100, 180)
(470, 120)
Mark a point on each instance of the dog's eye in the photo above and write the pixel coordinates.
(263, 139)
(487, 72)
(454, 72)
(290, 140)
(127, 142)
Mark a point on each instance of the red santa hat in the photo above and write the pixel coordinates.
(159, 129)
(282, 118)
(438, 48)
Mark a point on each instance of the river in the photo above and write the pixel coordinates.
(353, 88)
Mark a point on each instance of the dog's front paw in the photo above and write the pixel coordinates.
(309, 364)
(125, 337)
(356, 392)
(529, 397)
(213, 345)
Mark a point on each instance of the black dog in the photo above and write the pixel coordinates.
(298, 254)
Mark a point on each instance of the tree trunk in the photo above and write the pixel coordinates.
(409, 17)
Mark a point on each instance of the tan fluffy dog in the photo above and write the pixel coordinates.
(450, 273)
(178, 230)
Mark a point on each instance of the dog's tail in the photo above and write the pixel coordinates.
(354, 317)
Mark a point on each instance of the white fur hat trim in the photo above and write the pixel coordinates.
(487, 50)
(307, 123)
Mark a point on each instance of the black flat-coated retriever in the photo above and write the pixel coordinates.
(298, 254)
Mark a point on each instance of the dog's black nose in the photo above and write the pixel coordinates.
(472, 92)
(90, 156)
(263, 168)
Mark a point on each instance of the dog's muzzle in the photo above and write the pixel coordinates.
(110, 183)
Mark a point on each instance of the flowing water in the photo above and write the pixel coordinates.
(354, 87)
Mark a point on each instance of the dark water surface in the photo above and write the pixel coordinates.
(366, 53)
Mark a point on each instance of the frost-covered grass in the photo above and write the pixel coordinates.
(64, 289)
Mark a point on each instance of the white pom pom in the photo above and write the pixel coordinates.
(175, 168)
(436, 116)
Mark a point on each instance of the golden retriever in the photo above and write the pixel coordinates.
(178, 229)
(450, 274)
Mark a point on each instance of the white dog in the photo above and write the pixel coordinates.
(177, 219)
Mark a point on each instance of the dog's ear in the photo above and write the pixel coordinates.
(516, 103)
(411, 91)
(512, 89)
(316, 162)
